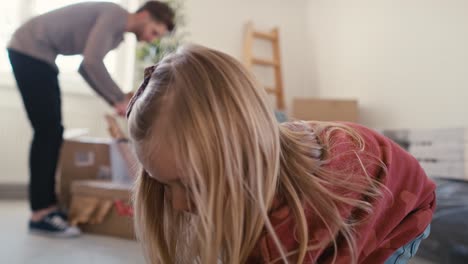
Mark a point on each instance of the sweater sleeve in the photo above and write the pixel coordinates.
(92, 69)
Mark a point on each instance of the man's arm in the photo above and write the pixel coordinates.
(92, 67)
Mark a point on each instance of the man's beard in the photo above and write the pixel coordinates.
(138, 36)
(139, 33)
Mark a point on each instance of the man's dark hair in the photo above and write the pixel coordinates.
(160, 12)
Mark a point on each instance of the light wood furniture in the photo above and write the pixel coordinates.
(250, 60)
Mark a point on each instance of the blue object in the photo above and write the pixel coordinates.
(406, 252)
(281, 116)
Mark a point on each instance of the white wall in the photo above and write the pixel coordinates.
(405, 60)
(220, 24)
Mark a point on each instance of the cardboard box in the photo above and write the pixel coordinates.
(81, 159)
(102, 207)
(325, 109)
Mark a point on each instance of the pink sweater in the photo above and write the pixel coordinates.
(394, 222)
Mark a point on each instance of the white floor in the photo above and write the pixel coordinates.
(19, 247)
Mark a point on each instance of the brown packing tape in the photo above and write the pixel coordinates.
(101, 212)
(81, 209)
(89, 210)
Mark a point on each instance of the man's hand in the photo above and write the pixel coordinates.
(114, 128)
(121, 107)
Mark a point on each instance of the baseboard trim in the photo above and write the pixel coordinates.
(13, 191)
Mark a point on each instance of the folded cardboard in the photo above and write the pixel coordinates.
(102, 207)
(325, 109)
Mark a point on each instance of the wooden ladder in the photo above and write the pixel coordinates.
(250, 60)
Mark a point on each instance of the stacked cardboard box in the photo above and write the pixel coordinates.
(443, 153)
(94, 186)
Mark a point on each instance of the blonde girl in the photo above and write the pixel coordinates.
(223, 182)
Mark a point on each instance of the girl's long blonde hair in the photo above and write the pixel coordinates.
(236, 160)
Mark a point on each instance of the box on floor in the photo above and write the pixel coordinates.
(103, 208)
(94, 185)
(92, 159)
(81, 159)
